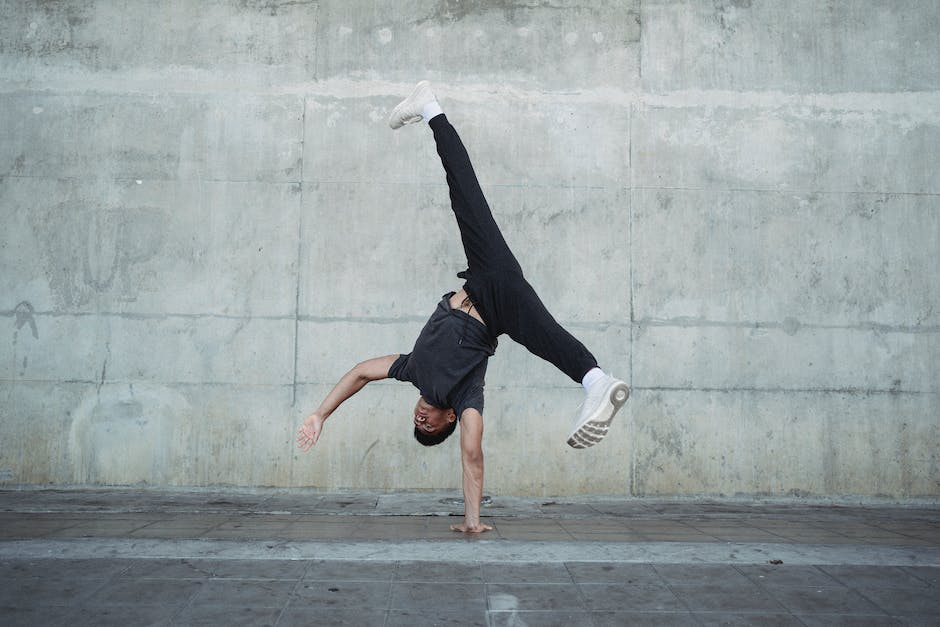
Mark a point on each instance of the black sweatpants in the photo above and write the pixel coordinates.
(494, 280)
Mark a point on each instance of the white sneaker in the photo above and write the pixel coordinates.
(408, 110)
(603, 401)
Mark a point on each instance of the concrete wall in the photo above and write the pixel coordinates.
(734, 203)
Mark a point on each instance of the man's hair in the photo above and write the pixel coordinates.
(431, 439)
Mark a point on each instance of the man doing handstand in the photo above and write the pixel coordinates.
(449, 358)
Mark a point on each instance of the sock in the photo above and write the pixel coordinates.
(593, 376)
(430, 110)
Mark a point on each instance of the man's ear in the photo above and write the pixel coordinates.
(451, 416)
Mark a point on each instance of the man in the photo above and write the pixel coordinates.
(448, 361)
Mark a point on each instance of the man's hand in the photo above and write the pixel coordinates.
(309, 431)
(349, 384)
(464, 527)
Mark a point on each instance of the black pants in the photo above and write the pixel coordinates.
(494, 280)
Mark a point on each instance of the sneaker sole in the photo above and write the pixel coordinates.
(396, 116)
(595, 429)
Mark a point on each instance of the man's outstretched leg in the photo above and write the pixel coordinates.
(496, 285)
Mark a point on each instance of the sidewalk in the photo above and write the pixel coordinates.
(278, 557)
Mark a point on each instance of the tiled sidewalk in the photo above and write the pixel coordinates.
(219, 559)
(280, 592)
(312, 527)
(296, 515)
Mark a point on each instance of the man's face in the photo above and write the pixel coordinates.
(431, 419)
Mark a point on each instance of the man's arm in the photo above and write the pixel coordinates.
(349, 384)
(471, 455)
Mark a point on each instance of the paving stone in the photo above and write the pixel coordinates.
(873, 576)
(782, 575)
(918, 620)
(457, 597)
(88, 617)
(756, 619)
(515, 618)
(362, 595)
(434, 617)
(439, 572)
(605, 572)
(48, 591)
(233, 615)
(533, 596)
(58, 568)
(696, 573)
(253, 569)
(928, 574)
(330, 571)
(641, 619)
(304, 617)
(526, 573)
(904, 601)
(724, 596)
(259, 594)
(148, 591)
(854, 620)
(817, 600)
(651, 598)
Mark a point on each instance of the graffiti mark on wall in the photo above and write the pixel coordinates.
(24, 315)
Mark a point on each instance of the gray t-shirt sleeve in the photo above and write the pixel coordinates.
(472, 399)
(401, 369)
(471, 392)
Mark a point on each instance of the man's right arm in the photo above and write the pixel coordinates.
(351, 382)
(471, 454)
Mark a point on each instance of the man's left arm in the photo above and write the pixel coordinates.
(471, 457)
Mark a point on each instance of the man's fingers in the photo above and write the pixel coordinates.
(465, 529)
(306, 438)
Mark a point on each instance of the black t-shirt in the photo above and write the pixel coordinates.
(448, 361)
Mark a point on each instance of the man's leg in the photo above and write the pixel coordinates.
(496, 278)
(483, 243)
(486, 250)
(526, 320)
(496, 285)
(505, 298)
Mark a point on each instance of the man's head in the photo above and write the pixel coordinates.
(433, 425)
